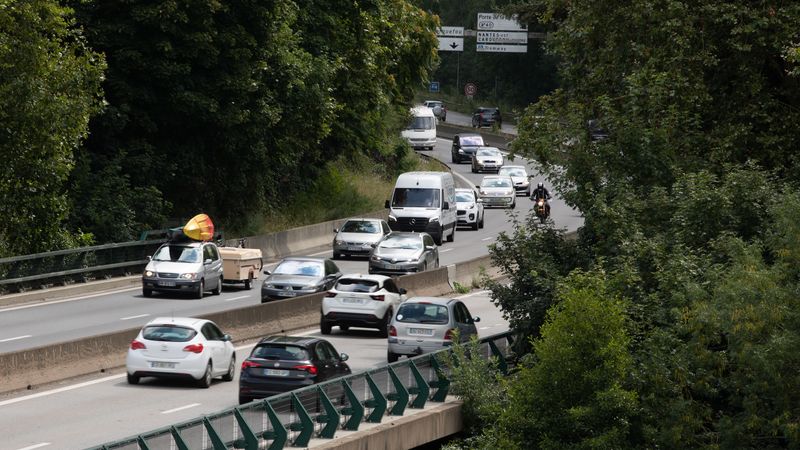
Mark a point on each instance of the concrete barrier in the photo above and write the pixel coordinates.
(429, 283)
(72, 290)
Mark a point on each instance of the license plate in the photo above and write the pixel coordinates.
(352, 300)
(353, 248)
(392, 267)
(420, 331)
(276, 373)
(162, 365)
(289, 293)
(166, 283)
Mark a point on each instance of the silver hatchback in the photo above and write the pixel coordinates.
(426, 324)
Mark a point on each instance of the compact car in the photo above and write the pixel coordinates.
(181, 347)
(439, 109)
(464, 146)
(358, 236)
(400, 253)
(487, 117)
(519, 175)
(487, 159)
(299, 275)
(468, 209)
(358, 300)
(189, 267)
(497, 190)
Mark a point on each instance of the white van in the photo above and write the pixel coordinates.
(424, 201)
(421, 131)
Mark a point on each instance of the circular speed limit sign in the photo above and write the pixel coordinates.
(470, 89)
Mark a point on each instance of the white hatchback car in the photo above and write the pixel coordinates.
(181, 347)
(427, 324)
(361, 301)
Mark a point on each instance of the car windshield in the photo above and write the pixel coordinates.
(434, 104)
(487, 152)
(471, 141)
(295, 267)
(415, 198)
(356, 285)
(513, 171)
(464, 197)
(496, 182)
(168, 333)
(178, 253)
(421, 123)
(360, 226)
(423, 313)
(280, 351)
(402, 242)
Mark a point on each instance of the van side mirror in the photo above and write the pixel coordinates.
(445, 205)
(149, 258)
(403, 291)
(335, 230)
(266, 272)
(386, 205)
(477, 186)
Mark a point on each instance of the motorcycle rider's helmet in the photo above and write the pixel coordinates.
(540, 185)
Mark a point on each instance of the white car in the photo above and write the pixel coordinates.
(520, 177)
(182, 348)
(361, 301)
(487, 159)
(497, 190)
(468, 209)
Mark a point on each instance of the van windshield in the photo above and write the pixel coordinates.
(415, 198)
(420, 123)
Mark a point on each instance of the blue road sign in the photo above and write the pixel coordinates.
(434, 86)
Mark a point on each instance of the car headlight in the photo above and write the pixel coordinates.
(149, 273)
(338, 242)
(188, 276)
(375, 258)
(392, 218)
(269, 286)
(433, 219)
(461, 151)
(471, 207)
(310, 287)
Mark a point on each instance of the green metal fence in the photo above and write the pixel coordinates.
(294, 418)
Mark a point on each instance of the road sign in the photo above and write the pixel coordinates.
(450, 31)
(470, 89)
(451, 44)
(434, 86)
(502, 37)
(491, 21)
(501, 48)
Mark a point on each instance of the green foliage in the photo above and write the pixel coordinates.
(49, 87)
(460, 288)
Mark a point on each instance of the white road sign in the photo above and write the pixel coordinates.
(502, 37)
(450, 31)
(501, 48)
(451, 44)
(491, 21)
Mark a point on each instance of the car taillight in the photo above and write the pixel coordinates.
(136, 345)
(449, 335)
(392, 330)
(310, 368)
(194, 348)
(330, 294)
(246, 364)
(379, 298)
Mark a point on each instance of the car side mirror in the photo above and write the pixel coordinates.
(477, 186)
(335, 230)
(266, 272)
(344, 356)
(480, 200)
(386, 204)
(226, 338)
(476, 319)
(430, 247)
(149, 258)
(207, 261)
(446, 206)
(402, 291)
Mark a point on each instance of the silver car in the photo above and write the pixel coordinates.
(497, 190)
(296, 276)
(426, 324)
(399, 253)
(520, 177)
(358, 236)
(189, 267)
(487, 159)
(469, 210)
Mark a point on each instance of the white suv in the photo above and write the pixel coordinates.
(361, 301)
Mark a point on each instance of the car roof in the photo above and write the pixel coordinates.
(465, 190)
(185, 243)
(295, 340)
(432, 300)
(506, 166)
(405, 234)
(191, 322)
(371, 219)
(468, 135)
(364, 276)
(303, 258)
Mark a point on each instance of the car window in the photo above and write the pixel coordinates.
(471, 141)
(423, 313)
(168, 333)
(465, 312)
(421, 123)
(427, 240)
(298, 267)
(496, 182)
(360, 226)
(177, 253)
(329, 350)
(391, 287)
(401, 242)
(416, 198)
(385, 227)
(356, 285)
(211, 332)
(513, 171)
(280, 351)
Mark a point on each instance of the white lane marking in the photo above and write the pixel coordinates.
(43, 444)
(15, 338)
(236, 298)
(134, 317)
(446, 250)
(66, 300)
(180, 408)
(320, 253)
(488, 238)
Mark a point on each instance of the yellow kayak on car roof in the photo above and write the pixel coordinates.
(199, 228)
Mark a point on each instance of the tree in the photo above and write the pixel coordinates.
(49, 87)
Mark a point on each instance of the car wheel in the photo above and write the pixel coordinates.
(205, 381)
(513, 205)
(218, 290)
(436, 266)
(231, 369)
(473, 170)
(324, 326)
(132, 379)
(425, 267)
(243, 400)
(337, 256)
(248, 283)
(147, 292)
(392, 357)
(452, 236)
(384, 328)
(481, 224)
(476, 225)
(201, 289)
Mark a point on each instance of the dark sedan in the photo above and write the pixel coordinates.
(483, 117)
(279, 364)
(297, 276)
(464, 146)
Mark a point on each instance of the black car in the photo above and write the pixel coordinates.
(299, 275)
(464, 146)
(484, 116)
(279, 364)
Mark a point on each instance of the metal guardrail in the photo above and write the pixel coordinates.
(21, 273)
(318, 411)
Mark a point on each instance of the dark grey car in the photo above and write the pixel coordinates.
(297, 276)
(464, 146)
(399, 253)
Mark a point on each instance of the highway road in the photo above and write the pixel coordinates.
(98, 410)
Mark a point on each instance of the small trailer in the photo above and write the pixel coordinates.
(241, 265)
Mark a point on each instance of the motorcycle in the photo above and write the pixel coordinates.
(542, 211)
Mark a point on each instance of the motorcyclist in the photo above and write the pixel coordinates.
(542, 192)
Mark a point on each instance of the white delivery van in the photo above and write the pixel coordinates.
(421, 131)
(424, 201)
